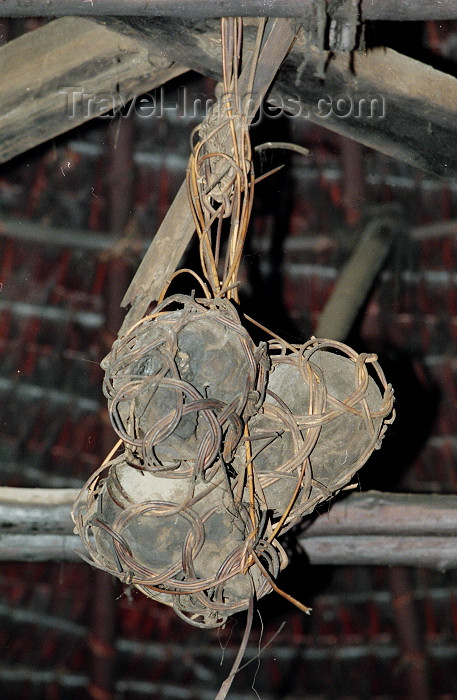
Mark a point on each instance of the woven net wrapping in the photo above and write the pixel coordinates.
(180, 384)
(326, 409)
(225, 445)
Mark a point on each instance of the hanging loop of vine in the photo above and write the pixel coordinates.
(220, 175)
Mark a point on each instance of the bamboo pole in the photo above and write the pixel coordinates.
(356, 279)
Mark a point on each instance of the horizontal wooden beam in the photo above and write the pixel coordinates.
(36, 232)
(369, 528)
(35, 510)
(386, 529)
(433, 552)
(378, 513)
(411, 10)
(375, 550)
(40, 547)
(27, 510)
(68, 72)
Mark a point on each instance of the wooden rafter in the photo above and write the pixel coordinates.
(400, 106)
(45, 74)
(412, 10)
(363, 528)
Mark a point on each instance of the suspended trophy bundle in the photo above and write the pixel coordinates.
(223, 445)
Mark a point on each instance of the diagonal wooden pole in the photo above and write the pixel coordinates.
(177, 228)
(46, 88)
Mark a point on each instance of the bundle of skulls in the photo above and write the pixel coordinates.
(224, 446)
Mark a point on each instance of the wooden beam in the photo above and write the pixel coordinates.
(40, 547)
(28, 510)
(390, 514)
(386, 529)
(35, 232)
(362, 528)
(434, 552)
(66, 73)
(378, 550)
(356, 279)
(411, 10)
(382, 99)
(36, 510)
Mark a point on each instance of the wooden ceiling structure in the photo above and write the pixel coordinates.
(126, 48)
